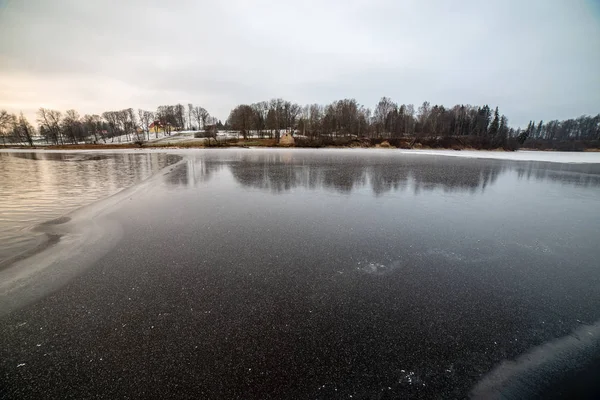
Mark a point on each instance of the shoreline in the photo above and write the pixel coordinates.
(74, 242)
(560, 157)
(272, 143)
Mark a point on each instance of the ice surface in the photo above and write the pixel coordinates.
(522, 155)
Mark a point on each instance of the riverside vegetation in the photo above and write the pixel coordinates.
(342, 123)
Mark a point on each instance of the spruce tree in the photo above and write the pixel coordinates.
(495, 124)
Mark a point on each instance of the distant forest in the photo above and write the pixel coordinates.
(341, 121)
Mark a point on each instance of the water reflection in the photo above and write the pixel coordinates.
(345, 173)
(584, 175)
(380, 175)
(192, 172)
(40, 186)
(70, 157)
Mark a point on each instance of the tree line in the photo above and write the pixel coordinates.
(486, 127)
(582, 128)
(15, 129)
(70, 127)
(477, 126)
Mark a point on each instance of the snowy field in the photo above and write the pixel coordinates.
(155, 137)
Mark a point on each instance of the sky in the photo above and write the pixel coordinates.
(534, 59)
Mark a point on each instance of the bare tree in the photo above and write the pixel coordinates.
(382, 113)
(290, 113)
(93, 127)
(241, 119)
(166, 117)
(72, 127)
(315, 120)
(275, 116)
(23, 130)
(125, 123)
(179, 117)
(146, 118)
(49, 121)
(201, 116)
(212, 130)
(259, 111)
(6, 122)
(132, 125)
(190, 113)
(122, 117)
(112, 119)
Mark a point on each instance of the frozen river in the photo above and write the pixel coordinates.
(262, 273)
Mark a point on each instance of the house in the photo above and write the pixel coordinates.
(156, 124)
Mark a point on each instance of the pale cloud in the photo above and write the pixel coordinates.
(536, 60)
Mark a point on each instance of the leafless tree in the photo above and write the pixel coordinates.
(260, 111)
(201, 116)
(179, 117)
(190, 114)
(49, 121)
(275, 116)
(146, 118)
(93, 127)
(72, 127)
(23, 130)
(314, 120)
(290, 114)
(122, 117)
(166, 117)
(112, 120)
(6, 122)
(241, 119)
(133, 126)
(211, 129)
(382, 113)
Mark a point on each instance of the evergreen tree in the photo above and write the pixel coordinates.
(525, 134)
(493, 130)
(502, 136)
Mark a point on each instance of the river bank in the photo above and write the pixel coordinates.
(204, 143)
(272, 143)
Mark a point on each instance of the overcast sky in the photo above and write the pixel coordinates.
(535, 59)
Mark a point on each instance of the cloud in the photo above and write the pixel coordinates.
(535, 60)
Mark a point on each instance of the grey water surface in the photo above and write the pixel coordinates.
(321, 274)
(36, 187)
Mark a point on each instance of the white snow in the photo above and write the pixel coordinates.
(154, 137)
(521, 155)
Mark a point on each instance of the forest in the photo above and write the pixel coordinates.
(314, 125)
(471, 126)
